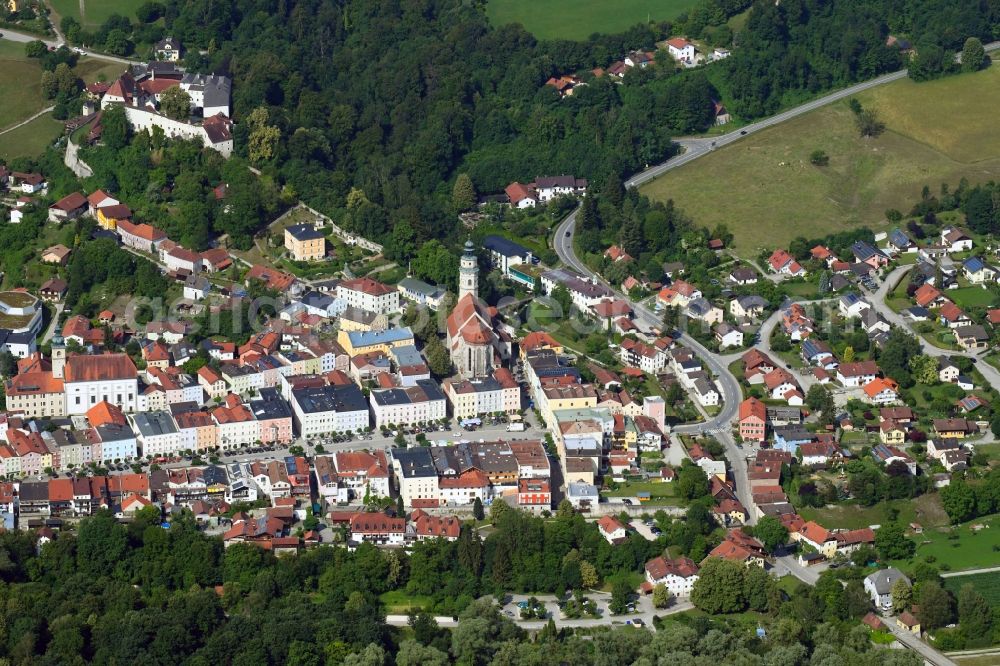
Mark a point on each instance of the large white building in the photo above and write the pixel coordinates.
(679, 575)
(585, 294)
(369, 295)
(416, 475)
(495, 394)
(329, 409)
(409, 405)
(91, 378)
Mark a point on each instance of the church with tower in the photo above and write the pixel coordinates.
(475, 342)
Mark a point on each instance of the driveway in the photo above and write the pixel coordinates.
(644, 530)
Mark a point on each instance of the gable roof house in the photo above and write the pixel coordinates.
(977, 271)
(783, 263)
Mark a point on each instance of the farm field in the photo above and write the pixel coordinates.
(987, 584)
(95, 12)
(767, 191)
(571, 19)
(31, 139)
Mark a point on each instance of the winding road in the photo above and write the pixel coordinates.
(24, 38)
(989, 373)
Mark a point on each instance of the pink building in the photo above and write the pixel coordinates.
(274, 416)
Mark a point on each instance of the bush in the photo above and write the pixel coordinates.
(819, 158)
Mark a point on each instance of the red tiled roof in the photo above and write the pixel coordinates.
(104, 367)
(70, 202)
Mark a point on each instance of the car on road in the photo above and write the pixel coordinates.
(627, 502)
(568, 233)
(743, 132)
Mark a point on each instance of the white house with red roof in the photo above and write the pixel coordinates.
(678, 575)
(681, 50)
(612, 529)
(782, 263)
(521, 195)
(369, 295)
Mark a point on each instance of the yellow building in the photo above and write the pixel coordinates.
(891, 433)
(571, 396)
(108, 217)
(364, 342)
(304, 243)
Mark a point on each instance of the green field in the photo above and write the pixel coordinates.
(399, 602)
(925, 510)
(95, 12)
(20, 85)
(986, 584)
(659, 493)
(765, 189)
(31, 139)
(572, 19)
(970, 550)
(969, 297)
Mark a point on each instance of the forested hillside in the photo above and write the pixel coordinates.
(393, 99)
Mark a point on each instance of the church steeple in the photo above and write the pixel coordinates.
(468, 272)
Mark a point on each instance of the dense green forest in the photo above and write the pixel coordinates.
(139, 593)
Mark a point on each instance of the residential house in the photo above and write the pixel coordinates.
(677, 575)
(867, 254)
(304, 242)
(753, 420)
(857, 374)
(612, 529)
(783, 263)
(976, 271)
(681, 50)
(68, 208)
(888, 455)
(972, 338)
(747, 307)
(955, 239)
(881, 391)
(743, 275)
(728, 336)
(879, 584)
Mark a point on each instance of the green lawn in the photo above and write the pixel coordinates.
(970, 550)
(399, 602)
(95, 12)
(925, 510)
(20, 85)
(31, 139)
(970, 297)
(987, 584)
(659, 493)
(571, 19)
(767, 192)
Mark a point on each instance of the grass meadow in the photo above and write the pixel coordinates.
(572, 19)
(767, 191)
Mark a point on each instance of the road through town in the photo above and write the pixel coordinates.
(691, 149)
